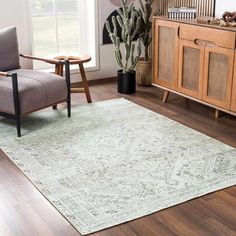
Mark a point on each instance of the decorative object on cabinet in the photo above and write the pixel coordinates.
(195, 61)
(144, 66)
(182, 12)
(130, 22)
(204, 7)
(206, 20)
(229, 16)
(228, 19)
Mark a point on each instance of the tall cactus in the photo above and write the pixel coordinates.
(146, 37)
(130, 22)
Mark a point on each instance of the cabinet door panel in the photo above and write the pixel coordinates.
(218, 74)
(166, 54)
(233, 98)
(190, 69)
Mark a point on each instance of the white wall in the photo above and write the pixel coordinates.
(15, 13)
(12, 13)
(225, 5)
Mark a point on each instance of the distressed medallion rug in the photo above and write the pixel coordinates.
(115, 161)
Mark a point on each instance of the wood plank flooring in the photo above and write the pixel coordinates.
(25, 212)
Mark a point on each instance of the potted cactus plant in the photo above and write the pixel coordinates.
(130, 23)
(144, 66)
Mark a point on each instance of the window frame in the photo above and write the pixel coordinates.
(29, 22)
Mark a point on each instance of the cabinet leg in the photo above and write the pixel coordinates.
(166, 96)
(217, 114)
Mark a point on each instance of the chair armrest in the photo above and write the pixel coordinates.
(4, 74)
(50, 61)
(8, 74)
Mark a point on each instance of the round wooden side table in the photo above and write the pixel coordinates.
(76, 61)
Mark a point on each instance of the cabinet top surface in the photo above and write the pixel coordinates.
(194, 22)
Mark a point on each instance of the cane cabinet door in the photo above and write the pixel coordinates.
(165, 63)
(218, 76)
(191, 58)
(233, 97)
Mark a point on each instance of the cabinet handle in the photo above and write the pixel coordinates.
(199, 42)
(210, 44)
(178, 31)
(204, 43)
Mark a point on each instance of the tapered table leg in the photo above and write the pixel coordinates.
(85, 83)
(58, 71)
(76, 61)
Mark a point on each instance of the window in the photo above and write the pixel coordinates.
(65, 27)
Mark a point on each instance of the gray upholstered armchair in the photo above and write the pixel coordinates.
(24, 91)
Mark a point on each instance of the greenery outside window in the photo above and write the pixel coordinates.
(63, 27)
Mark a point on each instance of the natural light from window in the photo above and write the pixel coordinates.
(63, 27)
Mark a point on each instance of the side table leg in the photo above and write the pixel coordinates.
(58, 71)
(85, 83)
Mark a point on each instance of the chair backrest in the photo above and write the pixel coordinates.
(9, 53)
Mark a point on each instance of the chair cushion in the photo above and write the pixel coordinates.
(9, 54)
(36, 90)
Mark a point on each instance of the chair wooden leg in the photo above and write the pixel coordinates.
(166, 96)
(57, 67)
(61, 69)
(85, 83)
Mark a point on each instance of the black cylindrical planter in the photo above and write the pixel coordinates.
(126, 82)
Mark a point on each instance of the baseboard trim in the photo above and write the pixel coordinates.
(94, 82)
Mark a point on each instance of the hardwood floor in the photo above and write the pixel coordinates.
(24, 211)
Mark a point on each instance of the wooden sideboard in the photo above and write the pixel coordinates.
(196, 61)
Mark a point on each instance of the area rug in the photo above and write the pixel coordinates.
(115, 161)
